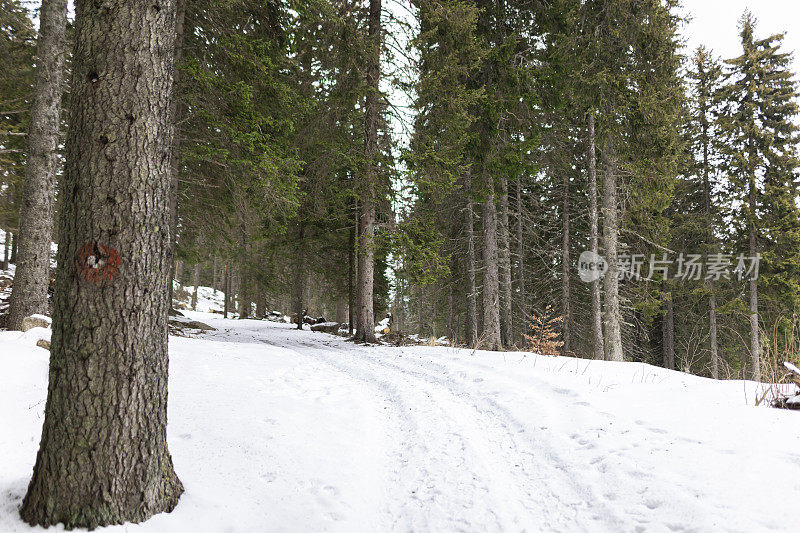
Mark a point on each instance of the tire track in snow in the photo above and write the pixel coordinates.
(433, 492)
(500, 444)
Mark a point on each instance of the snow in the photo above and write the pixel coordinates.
(275, 429)
(789, 366)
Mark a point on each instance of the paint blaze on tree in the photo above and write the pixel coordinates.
(103, 457)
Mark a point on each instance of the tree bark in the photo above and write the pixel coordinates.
(469, 260)
(597, 314)
(103, 457)
(196, 283)
(613, 327)
(491, 285)
(565, 268)
(366, 263)
(504, 257)
(32, 278)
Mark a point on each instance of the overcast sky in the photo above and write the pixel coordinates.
(715, 24)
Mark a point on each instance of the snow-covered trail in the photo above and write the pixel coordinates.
(272, 429)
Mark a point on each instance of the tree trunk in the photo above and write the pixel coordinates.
(565, 268)
(196, 283)
(216, 275)
(261, 303)
(6, 250)
(176, 113)
(523, 314)
(226, 292)
(597, 314)
(504, 257)
(341, 309)
(243, 269)
(613, 327)
(469, 260)
(14, 243)
(351, 276)
(366, 263)
(299, 276)
(755, 346)
(712, 299)
(103, 457)
(491, 288)
(669, 333)
(32, 278)
(179, 272)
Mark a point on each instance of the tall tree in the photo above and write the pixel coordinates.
(366, 244)
(32, 278)
(103, 457)
(761, 141)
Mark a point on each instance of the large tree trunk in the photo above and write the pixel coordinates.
(366, 263)
(491, 285)
(598, 350)
(668, 333)
(32, 278)
(613, 319)
(469, 266)
(504, 257)
(565, 268)
(103, 457)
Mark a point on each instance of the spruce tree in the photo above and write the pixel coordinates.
(761, 161)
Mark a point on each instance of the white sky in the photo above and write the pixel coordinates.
(715, 24)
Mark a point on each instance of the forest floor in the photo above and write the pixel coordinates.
(273, 429)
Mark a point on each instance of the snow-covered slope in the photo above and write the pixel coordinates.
(272, 429)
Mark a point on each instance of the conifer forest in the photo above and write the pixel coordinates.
(399, 265)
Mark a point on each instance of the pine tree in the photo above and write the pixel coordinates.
(761, 161)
